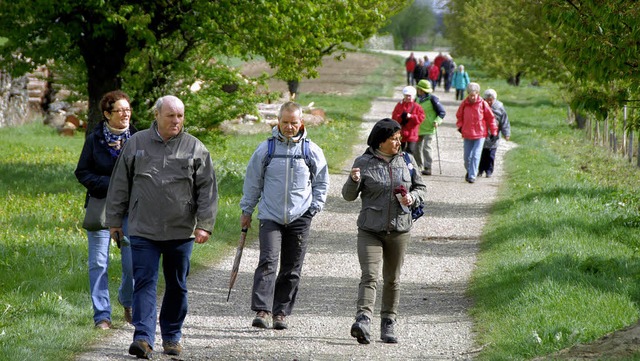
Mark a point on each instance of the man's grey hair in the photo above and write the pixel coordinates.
(290, 107)
(473, 88)
(490, 94)
(167, 98)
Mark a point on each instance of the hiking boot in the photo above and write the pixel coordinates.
(386, 331)
(279, 323)
(261, 320)
(489, 174)
(103, 325)
(360, 329)
(426, 171)
(172, 347)
(128, 314)
(141, 349)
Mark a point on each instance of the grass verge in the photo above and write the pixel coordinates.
(559, 259)
(45, 308)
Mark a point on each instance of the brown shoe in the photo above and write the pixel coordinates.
(141, 349)
(128, 314)
(103, 325)
(261, 320)
(172, 347)
(279, 323)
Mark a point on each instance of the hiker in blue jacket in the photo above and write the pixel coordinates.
(288, 179)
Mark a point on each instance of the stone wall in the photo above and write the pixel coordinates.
(22, 98)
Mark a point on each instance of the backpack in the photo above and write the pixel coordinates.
(419, 210)
(271, 148)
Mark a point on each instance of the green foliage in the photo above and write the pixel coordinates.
(414, 20)
(154, 48)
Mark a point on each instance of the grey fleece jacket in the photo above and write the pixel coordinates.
(168, 188)
(381, 211)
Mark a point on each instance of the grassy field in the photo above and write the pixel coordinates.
(559, 259)
(45, 308)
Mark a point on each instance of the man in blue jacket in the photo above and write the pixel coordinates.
(288, 179)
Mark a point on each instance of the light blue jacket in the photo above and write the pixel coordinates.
(460, 80)
(285, 189)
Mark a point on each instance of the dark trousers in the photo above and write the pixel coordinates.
(459, 94)
(487, 159)
(278, 294)
(410, 147)
(176, 255)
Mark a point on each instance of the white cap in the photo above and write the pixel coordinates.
(409, 90)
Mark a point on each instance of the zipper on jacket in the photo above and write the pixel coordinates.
(392, 196)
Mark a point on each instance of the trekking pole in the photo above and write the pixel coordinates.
(438, 148)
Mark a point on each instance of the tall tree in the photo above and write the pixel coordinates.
(410, 23)
(163, 46)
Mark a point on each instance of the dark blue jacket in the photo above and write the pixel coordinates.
(96, 163)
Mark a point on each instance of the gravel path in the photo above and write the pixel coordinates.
(432, 323)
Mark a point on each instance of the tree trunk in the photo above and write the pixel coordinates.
(105, 59)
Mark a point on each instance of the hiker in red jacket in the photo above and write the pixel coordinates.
(410, 115)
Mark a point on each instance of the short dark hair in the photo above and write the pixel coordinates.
(107, 101)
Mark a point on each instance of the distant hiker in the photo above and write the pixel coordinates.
(475, 121)
(410, 115)
(434, 114)
(410, 65)
(488, 156)
(460, 80)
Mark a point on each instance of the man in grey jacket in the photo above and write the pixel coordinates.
(164, 179)
(287, 178)
(488, 156)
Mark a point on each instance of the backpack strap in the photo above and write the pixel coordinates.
(271, 148)
(409, 164)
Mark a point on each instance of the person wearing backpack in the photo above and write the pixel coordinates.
(390, 190)
(460, 80)
(475, 121)
(434, 114)
(287, 178)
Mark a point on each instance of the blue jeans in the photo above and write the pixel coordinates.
(472, 153)
(289, 242)
(176, 256)
(99, 242)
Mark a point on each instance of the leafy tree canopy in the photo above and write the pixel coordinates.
(150, 48)
(415, 20)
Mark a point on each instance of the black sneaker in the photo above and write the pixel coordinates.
(172, 348)
(261, 320)
(360, 329)
(387, 334)
(279, 323)
(141, 349)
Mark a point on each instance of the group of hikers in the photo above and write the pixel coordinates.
(157, 192)
(442, 71)
(478, 119)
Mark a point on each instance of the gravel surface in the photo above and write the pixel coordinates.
(433, 323)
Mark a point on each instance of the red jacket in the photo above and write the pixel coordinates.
(434, 72)
(410, 129)
(476, 120)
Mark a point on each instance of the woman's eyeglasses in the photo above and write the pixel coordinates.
(121, 111)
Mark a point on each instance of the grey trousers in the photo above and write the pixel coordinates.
(379, 250)
(423, 154)
(277, 293)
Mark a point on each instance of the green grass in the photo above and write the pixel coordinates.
(559, 259)
(45, 308)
